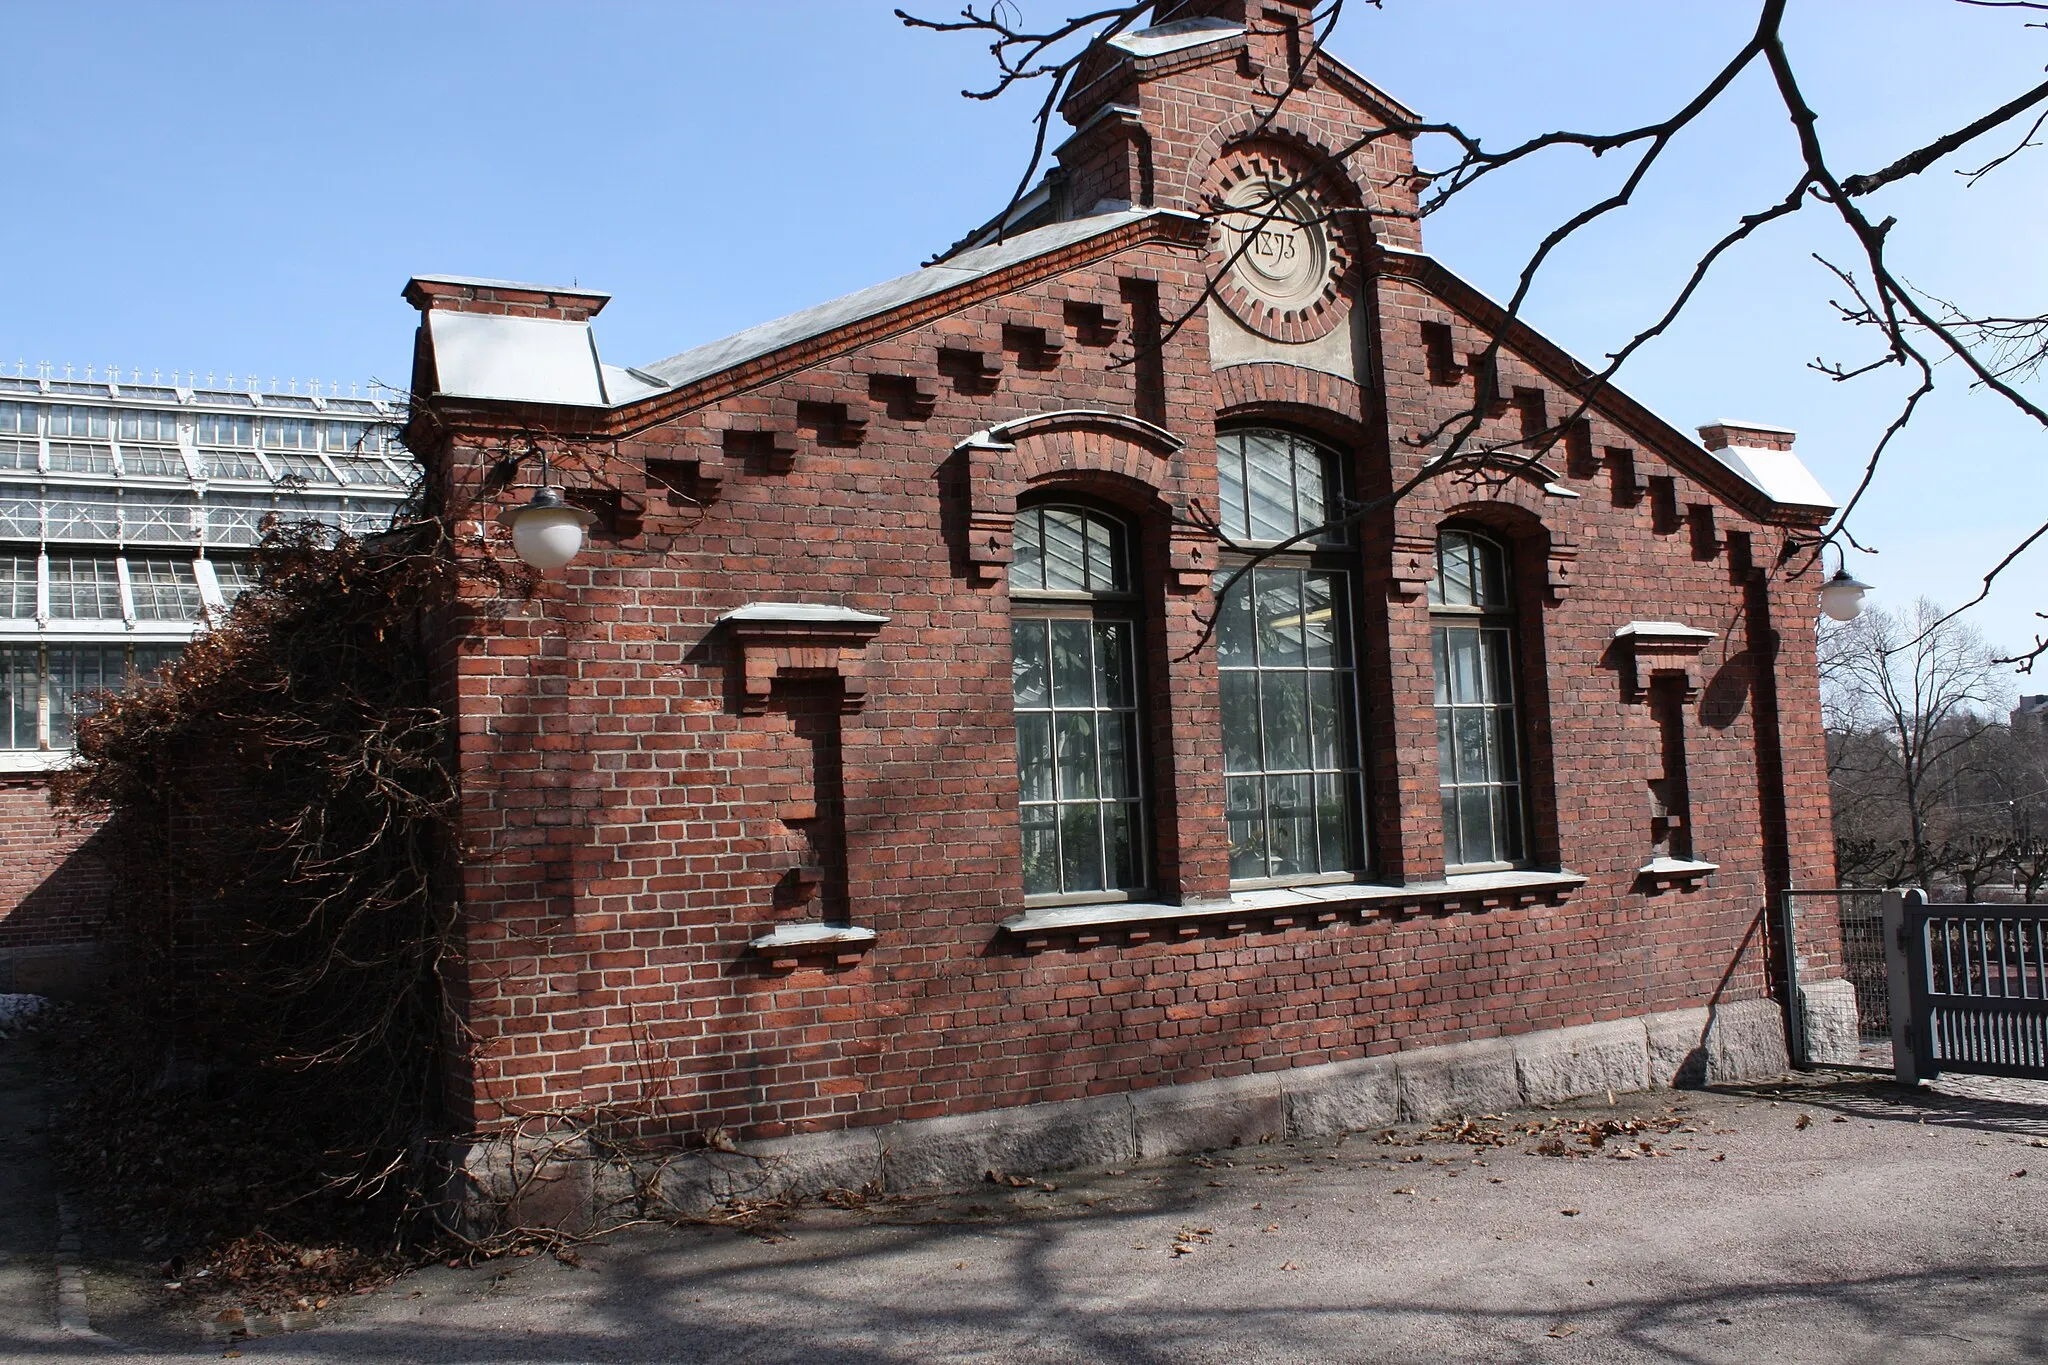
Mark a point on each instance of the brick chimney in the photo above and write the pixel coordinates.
(459, 294)
(1745, 436)
(1282, 31)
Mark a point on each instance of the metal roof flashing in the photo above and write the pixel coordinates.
(1779, 474)
(689, 366)
(513, 359)
(1161, 39)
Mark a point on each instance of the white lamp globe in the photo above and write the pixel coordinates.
(1842, 598)
(547, 533)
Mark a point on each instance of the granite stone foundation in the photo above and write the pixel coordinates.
(1833, 1028)
(560, 1181)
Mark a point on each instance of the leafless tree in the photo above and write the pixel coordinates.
(1911, 706)
(1993, 348)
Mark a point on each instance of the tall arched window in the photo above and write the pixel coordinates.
(1478, 732)
(1074, 676)
(1292, 791)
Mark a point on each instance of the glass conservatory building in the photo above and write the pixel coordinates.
(127, 514)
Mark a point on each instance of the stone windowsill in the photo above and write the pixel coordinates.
(1282, 905)
(34, 760)
(784, 938)
(1667, 872)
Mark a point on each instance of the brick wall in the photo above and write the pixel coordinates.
(634, 816)
(54, 883)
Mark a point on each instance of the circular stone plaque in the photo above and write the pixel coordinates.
(1283, 264)
(1280, 253)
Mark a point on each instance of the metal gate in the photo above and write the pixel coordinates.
(1968, 987)
(1859, 913)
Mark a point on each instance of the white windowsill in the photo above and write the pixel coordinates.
(34, 760)
(1283, 899)
(1676, 867)
(811, 936)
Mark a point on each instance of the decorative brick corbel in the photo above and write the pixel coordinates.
(774, 639)
(1414, 565)
(988, 525)
(1191, 554)
(1645, 649)
(1558, 567)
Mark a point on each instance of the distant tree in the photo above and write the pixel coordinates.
(1916, 759)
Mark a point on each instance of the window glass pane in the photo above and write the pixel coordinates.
(20, 684)
(1028, 662)
(18, 586)
(1308, 486)
(1234, 625)
(152, 462)
(1277, 604)
(1325, 722)
(18, 419)
(68, 458)
(1475, 813)
(1120, 840)
(1335, 822)
(1119, 740)
(1066, 554)
(1027, 556)
(74, 673)
(1081, 846)
(84, 589)
(1230, 485)
(1465, 675)
(1245, 810)
(1041, 850)
(163, 590)
(1453, 587)
(1323, 610)
(234, 577)
(1113, 664)
(1074, 744)
(150, 658)
(1034, 757)
(1240, 697)
(1489, 573)
(1291, 818)
(1285, 711)
(1073, 669)
(1103, 571)
(1269, 470)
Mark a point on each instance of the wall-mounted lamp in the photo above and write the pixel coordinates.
(1841, 597)
(548, 532)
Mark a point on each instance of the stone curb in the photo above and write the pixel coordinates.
(1734, 1042)
(74, 1316)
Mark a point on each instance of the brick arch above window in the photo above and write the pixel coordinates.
(1516, 509)
(1326, 406)
(1121, 460)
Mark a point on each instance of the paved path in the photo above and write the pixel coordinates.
(1886, 1227)
(28, 1210)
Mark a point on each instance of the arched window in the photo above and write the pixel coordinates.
(1478, 732)
(1074, 678)
(1292, 788)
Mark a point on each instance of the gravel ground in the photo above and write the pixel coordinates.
(1835, 1218)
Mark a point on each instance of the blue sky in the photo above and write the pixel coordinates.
(219, 187)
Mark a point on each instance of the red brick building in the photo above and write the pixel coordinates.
(886, 770)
